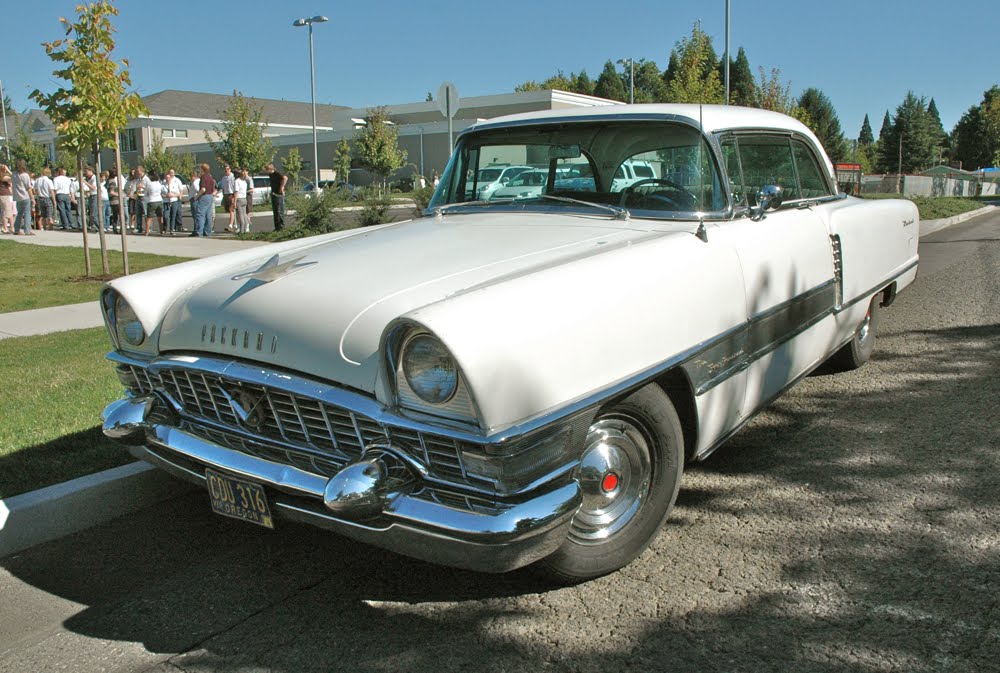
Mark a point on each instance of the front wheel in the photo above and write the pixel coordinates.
(629, 472)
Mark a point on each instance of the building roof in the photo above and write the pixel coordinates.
(210, 106)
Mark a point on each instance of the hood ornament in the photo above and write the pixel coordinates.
(246, 405)
(273, 270)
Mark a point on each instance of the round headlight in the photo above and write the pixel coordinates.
(127, 324)
(429, 369)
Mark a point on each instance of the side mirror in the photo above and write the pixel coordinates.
(768, 198)
(504, 180)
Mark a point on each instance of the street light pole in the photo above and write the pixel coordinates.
(298, 23)
(6, 138)
(631, 77)
(727, 52)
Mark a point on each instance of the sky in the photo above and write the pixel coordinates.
(865, 56)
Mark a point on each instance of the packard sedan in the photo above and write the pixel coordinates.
(522, 381)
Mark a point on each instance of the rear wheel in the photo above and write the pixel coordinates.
(859, 349)
(630, 472)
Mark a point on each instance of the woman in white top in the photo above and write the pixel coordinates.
(242, 219)
(152, 198)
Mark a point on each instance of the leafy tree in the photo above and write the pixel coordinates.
(342, 160)
(824, 123)
(183, 164)
(742, 84)
(429, 97)
(976, 136)
(242, 135)
(609, 84)
(696, 79)
(530, 85)
(673, 65)
(377, 144)
(773, 94)
(157, 159)
(96, 106)
(293, 165)
(866, 138)
(24, 147)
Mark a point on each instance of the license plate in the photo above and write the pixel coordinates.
(238, 499)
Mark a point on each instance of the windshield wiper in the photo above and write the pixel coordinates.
(443, 208)
(619, 212)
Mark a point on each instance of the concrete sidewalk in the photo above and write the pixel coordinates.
(39, 516)
(48, 320)
(181, 245)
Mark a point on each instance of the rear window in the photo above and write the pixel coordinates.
(261, 182)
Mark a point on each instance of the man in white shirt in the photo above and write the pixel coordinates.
(152, 200)
(62, 185)
(194, 184)
(44, 193)
(227, 183)
(172, 205)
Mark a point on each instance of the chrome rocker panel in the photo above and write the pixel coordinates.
(496, 539)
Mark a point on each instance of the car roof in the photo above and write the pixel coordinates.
(710, 118)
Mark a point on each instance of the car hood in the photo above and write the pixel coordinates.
(322, 309)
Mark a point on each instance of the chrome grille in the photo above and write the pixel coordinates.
(291, 429)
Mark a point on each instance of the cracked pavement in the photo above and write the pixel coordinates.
(852, 526)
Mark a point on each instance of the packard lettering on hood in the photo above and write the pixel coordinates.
(522, 378)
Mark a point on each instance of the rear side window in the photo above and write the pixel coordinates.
(755, 161)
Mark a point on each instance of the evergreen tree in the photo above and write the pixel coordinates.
(824, 123)
(697, 77)
(885, 159)
(583, 84)
(912, 144)
(866, 138)
(673, 65)
(609, 84)
(649, 87)
(975, 139)
(886, 125)
(741, 80)
(935, 118)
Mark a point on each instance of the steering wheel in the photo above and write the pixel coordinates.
(676, 203)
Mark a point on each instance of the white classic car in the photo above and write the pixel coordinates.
(501, 383)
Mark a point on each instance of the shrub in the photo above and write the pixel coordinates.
(375, 204)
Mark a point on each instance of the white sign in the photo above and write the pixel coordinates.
(447, 99)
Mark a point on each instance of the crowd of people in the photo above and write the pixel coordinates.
(47, 201)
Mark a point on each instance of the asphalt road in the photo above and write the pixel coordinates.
(854, 526)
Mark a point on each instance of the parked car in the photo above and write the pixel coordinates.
(527, 183)
(488, 180)
(502, 383)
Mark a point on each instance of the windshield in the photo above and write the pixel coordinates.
(656, 169)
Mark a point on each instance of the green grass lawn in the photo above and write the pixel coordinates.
(934, 208)
(37, 276)
(52, 391)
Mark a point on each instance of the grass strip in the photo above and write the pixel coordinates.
(937, 207)
(52, 391)
(39, 276)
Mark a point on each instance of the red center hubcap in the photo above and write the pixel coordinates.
(610, 482)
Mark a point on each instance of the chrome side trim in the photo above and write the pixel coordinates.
(893, 276)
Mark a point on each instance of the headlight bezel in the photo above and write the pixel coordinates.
(116, 308)
(459, 410)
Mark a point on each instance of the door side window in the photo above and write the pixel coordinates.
(730, 155)
(767, 160)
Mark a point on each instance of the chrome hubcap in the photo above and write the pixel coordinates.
(865, 327)
(614, 474)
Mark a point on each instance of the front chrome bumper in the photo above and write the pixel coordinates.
(393, 514)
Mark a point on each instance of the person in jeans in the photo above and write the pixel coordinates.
(194, 183)
(278, 182)
(24, 199)
(206, 205)
(64, 206)
(172, 202)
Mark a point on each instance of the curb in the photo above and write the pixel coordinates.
(55, 511)
(52, 512)
(928, 227)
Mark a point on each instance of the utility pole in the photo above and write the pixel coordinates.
(727, 52)
(6, 137)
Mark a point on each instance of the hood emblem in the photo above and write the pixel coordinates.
(246, 405)
(272, 269)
